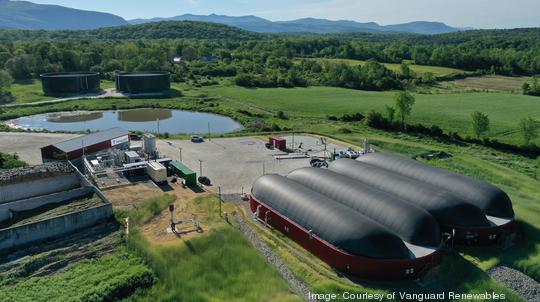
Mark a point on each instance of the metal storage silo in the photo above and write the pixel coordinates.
(69, 82)
(143, 82)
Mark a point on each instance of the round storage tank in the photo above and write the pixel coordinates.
(143, 82)
(69, 82)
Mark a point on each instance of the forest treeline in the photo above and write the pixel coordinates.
(263, 60)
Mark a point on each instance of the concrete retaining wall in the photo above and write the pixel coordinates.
(54, 227)
(35, 202)
(38, 187)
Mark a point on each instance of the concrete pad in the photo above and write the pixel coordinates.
(234, 163)
(27, 145)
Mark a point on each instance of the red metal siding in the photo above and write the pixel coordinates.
(277, 142)
(89, 149)
(376, 269)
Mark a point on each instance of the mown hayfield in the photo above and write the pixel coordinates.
(451, 112)
(490, 82)
(420, 69)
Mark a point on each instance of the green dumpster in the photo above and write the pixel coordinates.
(179, 169)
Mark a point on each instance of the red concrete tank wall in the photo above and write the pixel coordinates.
(480, 235)
(369, 268)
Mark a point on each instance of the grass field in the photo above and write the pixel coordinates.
(419, 69)
(451, 112)
(109, 278)
(218, 266)
(29, 92)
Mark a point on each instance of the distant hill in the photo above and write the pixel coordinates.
(154, 30)
(310, 25)
(28, 15)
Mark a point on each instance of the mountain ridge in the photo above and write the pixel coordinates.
(28, 15)
(309, 25)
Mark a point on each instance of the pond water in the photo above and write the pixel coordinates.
(151, 120)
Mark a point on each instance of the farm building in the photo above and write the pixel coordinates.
(69, 82)
(77, 147)
(143, 82)
(381, 223)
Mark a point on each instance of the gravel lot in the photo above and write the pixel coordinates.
(233, 163)
(27, 145)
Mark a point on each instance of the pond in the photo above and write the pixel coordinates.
(150, 120)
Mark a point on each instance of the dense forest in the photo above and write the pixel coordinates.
(263, 60)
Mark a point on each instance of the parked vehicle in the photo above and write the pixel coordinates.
(197, 139)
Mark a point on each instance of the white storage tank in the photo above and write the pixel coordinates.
(149, 144)
(156, 171)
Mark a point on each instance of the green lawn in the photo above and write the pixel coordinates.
(31, 91)
(419, 69)
(451, 112)
(220, 265)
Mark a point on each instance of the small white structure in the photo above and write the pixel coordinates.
(156, 171)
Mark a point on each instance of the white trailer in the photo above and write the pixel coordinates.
(156, 171)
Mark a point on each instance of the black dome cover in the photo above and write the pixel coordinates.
(412, 223)
(449, 209)
(492, 200)
(329, 220)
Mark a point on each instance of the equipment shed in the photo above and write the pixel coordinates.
(182, 171)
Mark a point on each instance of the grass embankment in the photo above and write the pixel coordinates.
(109, 278)
(437, 71)
(218, 266)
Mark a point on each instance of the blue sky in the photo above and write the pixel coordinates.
(475, 13)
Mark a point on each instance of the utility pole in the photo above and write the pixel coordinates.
(180, 149)
(200, 167)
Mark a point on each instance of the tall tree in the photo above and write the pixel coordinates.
(404, 102)
(480, 123)
(529, 129)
